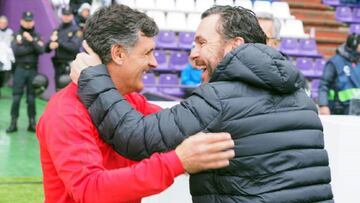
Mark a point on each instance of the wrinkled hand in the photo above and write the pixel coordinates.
(82, 61)
(53, 45)
(28, 37)
(324, 110)
(204, 151)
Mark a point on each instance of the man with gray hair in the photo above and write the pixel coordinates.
(271, 25)
(80, 167)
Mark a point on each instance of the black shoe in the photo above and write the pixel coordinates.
(12, 128)
(32, 125)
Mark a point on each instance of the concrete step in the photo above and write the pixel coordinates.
(309, 5)
(322, 23)
(329, 32)
(327, 52)
(303, 13)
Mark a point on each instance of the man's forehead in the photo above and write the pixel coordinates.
(145, 42)
(207, 27)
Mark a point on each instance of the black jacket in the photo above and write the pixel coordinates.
(69, 39)
(254, 95)
(27, 52)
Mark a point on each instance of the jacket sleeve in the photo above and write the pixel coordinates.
(136, 136)
(326, 82)
(79, 164)
(47, 47)
(38, 48)
(35, 43)
(21, 49)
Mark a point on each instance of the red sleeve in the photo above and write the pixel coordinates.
(140, 103)
(78, 162)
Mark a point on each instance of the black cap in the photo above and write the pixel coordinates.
(28, 16)
(66, 11)
(353, 41)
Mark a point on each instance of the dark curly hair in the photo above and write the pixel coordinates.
(237, 22)
(117, 24)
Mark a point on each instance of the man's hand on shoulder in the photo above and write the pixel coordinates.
(204, 151)
(83, 60)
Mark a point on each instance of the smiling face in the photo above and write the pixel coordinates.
(210, 47)
(127, 67)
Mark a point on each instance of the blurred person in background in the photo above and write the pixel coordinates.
(83, 15)
(27, 47)
(76, 4)
(66, 42)
(6, 53)
(271, 26)
(190, 76)
(340, 82)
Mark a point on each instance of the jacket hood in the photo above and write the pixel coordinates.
(260, 66)
(347, 53)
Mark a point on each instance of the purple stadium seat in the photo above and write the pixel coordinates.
(161, 60)
(344, 14)
(315, 88)
(356, 15)
(178, 60)
(289, 46)
(355, 28)
(170, 83)
(331, 2)
(319, 66)
(149, 81)
(186, 40)
(307, 47)
(306, 66)
(166, 40)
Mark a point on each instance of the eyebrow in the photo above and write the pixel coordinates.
(148, 51)
(199, 37)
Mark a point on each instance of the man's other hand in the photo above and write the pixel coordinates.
(83, 60)
(204, 151)
(324, 110)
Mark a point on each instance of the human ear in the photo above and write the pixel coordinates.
(118, 54)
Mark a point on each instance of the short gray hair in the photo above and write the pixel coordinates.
(275, 20)
(117, 25)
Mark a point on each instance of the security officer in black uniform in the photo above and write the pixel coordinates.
(66, 41)
(27, 46)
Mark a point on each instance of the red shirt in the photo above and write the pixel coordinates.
(79, 167)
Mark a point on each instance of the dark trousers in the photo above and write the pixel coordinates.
(22, 79)
(2, 78)
(61, 68)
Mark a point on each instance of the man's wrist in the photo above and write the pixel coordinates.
(175, 163)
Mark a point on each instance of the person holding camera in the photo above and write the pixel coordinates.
(27, 47)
